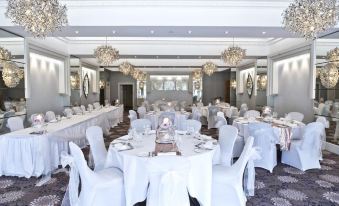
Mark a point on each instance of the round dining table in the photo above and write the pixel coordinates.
(134, 161)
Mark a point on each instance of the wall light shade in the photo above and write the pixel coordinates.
(262, 82)
(233, 84)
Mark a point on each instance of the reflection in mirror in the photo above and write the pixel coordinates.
(249, 85)
(85, 85)
(12, 83)
(75, 81)
(326, 102)
(261, 98)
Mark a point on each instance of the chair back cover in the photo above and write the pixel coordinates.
(251, 113)
(132, 115)
(243, 110)
(227, 136)
(255, 126)
(95, 138)
(195, 124)
(141, 112)
(83, 108)
(96, 105)
(295, 116)
(90, 107)
(196, 114)
(77, 110)
(200, 104)
(140, 124)
(312, 137)
(324, 121)
(68, 112)
(50, 116)
(15, 123)
(168, 181)
(212, 116)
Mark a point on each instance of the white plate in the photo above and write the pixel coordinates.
(53, 121)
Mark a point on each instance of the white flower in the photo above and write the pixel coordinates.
(49, 200)
(11, 196)
(292, 194)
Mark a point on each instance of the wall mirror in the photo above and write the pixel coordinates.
(326, 102)
(261, 81)
(249, 85)
(85, 85)
(75, 81)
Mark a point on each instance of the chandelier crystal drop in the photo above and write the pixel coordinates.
(329, 75)
(11, 74)
(310, 17)
(5, 55)
(125, 68)
(135, 74)
(106, 54)
(333, 56)
(38, 17)
(209, 68)
(233, 55)
(142, 76)
(197, 74)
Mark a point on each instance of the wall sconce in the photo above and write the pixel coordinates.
(141, 85)
(102, 84)
(233, 84)
(262, 82)
(75, 81)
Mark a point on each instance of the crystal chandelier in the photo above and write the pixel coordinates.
(39, 17)
(5, 55)
(125, 68)
(233, 84)
(333, 56)
(135, 74)
(209, 68)
(197, 74)
(142, 76)
(329, 75)
(310, 17)
(106, 55)
(233, 55)
(262, 82)
(12, 74)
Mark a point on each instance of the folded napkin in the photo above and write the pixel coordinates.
(120, 146)
(53, 121)
(205, 137)
(208, 145)
(126, 137)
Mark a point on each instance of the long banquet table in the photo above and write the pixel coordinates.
(25, 154)
(135, 172)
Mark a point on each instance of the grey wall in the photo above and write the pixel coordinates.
(233, 93)
(115, 79)
(214, 86)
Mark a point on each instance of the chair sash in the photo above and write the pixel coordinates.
(73, 187)
(249, 176)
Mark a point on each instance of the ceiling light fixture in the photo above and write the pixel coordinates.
(5, 55)
(308, 18)
(125, 68)
(233, 55)
(329, 75)
(233, 84)
(209, 68)
(12, 74)
(38, 17)
(197, 74)
(333, 55)
(106, 54)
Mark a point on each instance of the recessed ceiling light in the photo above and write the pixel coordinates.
(264, 32)
(113, 31)
(77, 32)
(189, 31)
(226, 32)
(152, 31)
(135, 57)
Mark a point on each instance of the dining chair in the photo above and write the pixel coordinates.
(243, 110)
(90, 107)
(140, 124)
(96, 105)
(265, 140)
(95, 137)
(227, 137)
(304, 154)
(132, 115)
(50, 116)
(83, 108)
(196, 114)
(15, 123)
(295, 116)
(168, 179)
(212, 116)
(221, 120)
(77, 110)
(68, 112)
(253, 127)
(195, 124)
(227, 182)
(104, 188)
(141, 111)
(251, 114)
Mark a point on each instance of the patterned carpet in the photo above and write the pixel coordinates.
(285, 187)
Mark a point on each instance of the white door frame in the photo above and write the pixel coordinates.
(120, 92)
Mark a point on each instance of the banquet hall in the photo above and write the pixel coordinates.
(163, 103)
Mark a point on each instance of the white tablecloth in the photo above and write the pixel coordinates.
(179, 121)
(24, 154)
(136, 176)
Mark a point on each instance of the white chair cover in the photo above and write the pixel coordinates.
(168, 181)
(196, 114)
(243, 110)
(140, 124)
(50, 116)
(295, 116)
(68, 112)
(212, 116)
(221, 120)
(15, 123)
(132, 115)
(200, 104)
(326, 124)
(265, 140)
(83, 108)
(90, 107)
(141, 112)
(95, 138)
(305, 154)
(227, 136)
(97, 188)
(252, 114)
(227, 183)
(96, 105)
(255, 126)
(77, 110)
(191, 123)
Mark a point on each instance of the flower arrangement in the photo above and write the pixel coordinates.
(166, 123)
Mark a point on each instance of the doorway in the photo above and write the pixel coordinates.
(126, 95)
